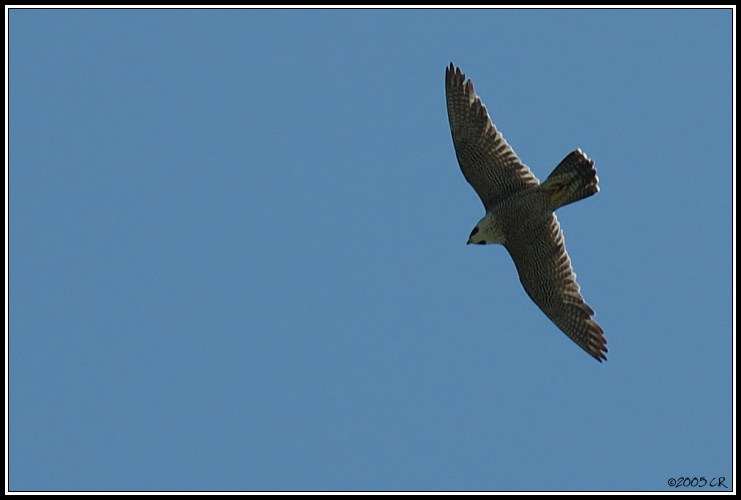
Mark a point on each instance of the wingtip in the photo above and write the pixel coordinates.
(598, 345)
(454, 71)
(598, 352)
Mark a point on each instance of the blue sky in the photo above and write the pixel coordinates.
(237, 253)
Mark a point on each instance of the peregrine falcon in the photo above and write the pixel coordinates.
(519, 211)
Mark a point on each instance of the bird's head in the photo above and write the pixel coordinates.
(477, 237)
(487, 232)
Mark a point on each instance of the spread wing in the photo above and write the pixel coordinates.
(546, 274)
(488, 163)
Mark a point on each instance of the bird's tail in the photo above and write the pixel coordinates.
(573, 179)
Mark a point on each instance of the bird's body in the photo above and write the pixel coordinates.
(512, 219)
(519, 211)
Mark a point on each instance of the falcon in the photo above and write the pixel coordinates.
(520, 211)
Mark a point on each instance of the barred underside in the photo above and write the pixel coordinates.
(487, 161)
(545, 272)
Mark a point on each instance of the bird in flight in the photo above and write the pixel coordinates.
(519, 211)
